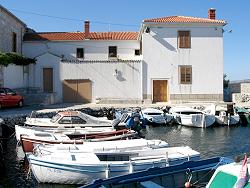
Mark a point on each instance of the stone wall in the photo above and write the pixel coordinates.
(9, 24)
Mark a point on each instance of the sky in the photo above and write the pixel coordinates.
(127, 15)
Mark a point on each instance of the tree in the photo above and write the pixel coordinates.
(15, 58)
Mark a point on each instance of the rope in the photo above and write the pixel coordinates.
(28, 174)
(208, 172)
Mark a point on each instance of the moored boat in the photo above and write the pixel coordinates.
(28, 141)
(70, 132)
(72, 165)
(192, 117)
(154, 116)
(199, 172)
(231, 175)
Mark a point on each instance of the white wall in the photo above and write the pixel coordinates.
(162, 58)
(105, 84)
(126, 85)
(14, 77)
(36, 73)
(93, 50)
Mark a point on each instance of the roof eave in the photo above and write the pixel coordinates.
(13, 16)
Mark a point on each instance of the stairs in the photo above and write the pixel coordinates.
(35, 96)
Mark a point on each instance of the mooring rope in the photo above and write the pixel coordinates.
(208, 172)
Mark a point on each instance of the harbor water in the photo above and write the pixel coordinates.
(210, 142)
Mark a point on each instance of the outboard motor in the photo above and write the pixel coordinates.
(135, 121)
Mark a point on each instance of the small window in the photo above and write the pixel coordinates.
(65, 120)
(112, 51)
(185, 74)
(137, 52)
(14, 42)
(77, 120)
(184, 39)
(80, 53)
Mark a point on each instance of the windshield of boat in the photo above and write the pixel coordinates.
(153, 113)
(55, 118)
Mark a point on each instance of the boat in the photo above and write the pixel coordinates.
(226, 176)
(192, 117)
(28, 141)
(73, 165)
(226, 119)
(129, 119)
(169, 176)
(68, 119)
(153, 116)
(244, 114)
(74, 132)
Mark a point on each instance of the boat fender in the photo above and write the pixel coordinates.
(187, 184)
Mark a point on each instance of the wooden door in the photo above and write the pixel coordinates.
(48, 80)
(160, 90)
(84, 91)
(77, 91)
(70, 91)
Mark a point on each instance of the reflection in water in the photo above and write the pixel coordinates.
(210, 142)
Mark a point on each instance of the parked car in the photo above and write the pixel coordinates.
(10, 98)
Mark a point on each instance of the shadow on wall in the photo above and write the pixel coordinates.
(119, 76)
(159, 38)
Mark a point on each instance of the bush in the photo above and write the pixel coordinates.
(15, 58)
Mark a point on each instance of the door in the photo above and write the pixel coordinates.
(48, 80)
(160, 90)
(77, 91)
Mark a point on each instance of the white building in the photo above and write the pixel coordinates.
(12, 30)
(182, 60)
(86, 67)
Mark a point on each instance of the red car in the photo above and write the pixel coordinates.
(9, 98)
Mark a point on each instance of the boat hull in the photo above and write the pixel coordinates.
(225, 120)
(197, 120)
(52, 172)
(29, 142)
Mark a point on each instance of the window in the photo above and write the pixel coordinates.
(13, 42)
(112, 51)
(65, 120)
(9, 91)
(137, 52)
(185, 74)
(184, 39)
(77, 120)
(79, 53)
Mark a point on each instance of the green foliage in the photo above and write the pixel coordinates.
(15, 58)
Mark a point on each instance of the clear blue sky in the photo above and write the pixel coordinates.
(126, 15)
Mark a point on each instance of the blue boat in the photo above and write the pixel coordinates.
(197, 172)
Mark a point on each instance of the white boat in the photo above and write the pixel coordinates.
(227, 175)
(226, 119)
(28, 141)
(74, 132)
(73, 165)
(68, 119)
(192, 117)
(153, 116)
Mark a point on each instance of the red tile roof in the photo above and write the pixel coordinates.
(69, 36)
(184, 19)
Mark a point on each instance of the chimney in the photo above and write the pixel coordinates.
(211, 13)
(86, 29)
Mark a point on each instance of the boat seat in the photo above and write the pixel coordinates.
(150, 184)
